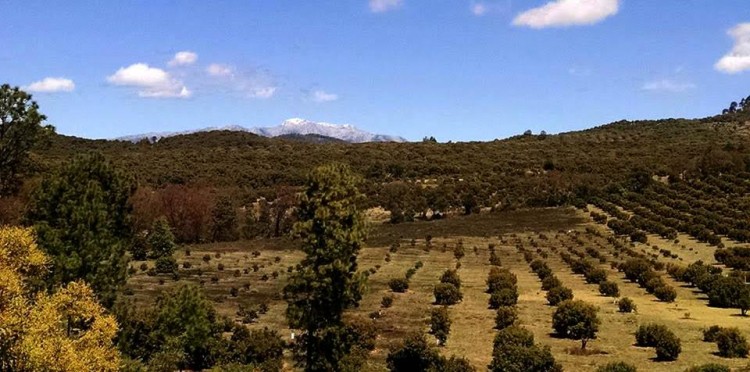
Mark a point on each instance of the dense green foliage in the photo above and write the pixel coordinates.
(81, 217)
(576, 320)
(21, 128)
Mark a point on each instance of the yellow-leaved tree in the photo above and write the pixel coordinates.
(64, 331)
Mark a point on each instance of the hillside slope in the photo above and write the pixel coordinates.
(532, 164)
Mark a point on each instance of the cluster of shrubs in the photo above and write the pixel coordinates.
(502, 287)
(731, 343)
(737, 258)
(668, 346)
(642, 272)
(448, 292)
(401, 285)
(723, 291)
(556, 292)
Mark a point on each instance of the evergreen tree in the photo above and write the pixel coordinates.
(81, 217)
(332, 230)
(161, 239)
(20, 129)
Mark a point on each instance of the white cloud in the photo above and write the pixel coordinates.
(380, 6)
(253, 83)
(261, 92)
(218, 69)
(322, 96)
(183, 58)
(667, 85)
(152, 82)
(51, 85)
(738, 59)
(478, 9)
(560, 13)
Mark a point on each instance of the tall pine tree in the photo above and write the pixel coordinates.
(81, 217)
(332, 230)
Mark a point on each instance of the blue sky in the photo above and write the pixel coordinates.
(454, 69)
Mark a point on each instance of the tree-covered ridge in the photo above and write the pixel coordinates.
(530, 169)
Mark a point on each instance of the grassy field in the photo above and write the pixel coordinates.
(472, 330)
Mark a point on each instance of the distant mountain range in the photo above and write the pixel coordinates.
(291, 127)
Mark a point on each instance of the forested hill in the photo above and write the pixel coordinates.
(540, 168)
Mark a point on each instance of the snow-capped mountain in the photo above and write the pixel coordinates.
(345, 132)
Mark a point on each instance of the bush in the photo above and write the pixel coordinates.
(609, 289)
(165, 265)
(668, 347)
(710, 334)
(399, 285)
(220, 267)
(414, 354)
(503, 297)
(576, 320)
(440, 324)
(447, 294)
(451, 276)
(386, 302)
(550, 282)
(626, 305)
(731, 343)
(455, 364)
(710, 367)
(647, 335)
(596, 276)
(724, 291)
(506, 317)
(513, 336)
(665, 293)
(559, 294)
(514, 351)
(617, 367)
(499, 279)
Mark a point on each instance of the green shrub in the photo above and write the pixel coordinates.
(447, 294)
(559, 294)
(731, 343)
(386, 302)
(451, 276)
(626, 305)
(165, 265)
(440, 324)
(609, 289)
(617, 367)
(710, 333)
(665, 293)
(399, 285)
(506, 316)
(414, 354)
(596, 276)
(550, 282)
(576, 320)
(647, 335)
(710, 367)
(513, 336)
(668, 346)
(503, 297)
